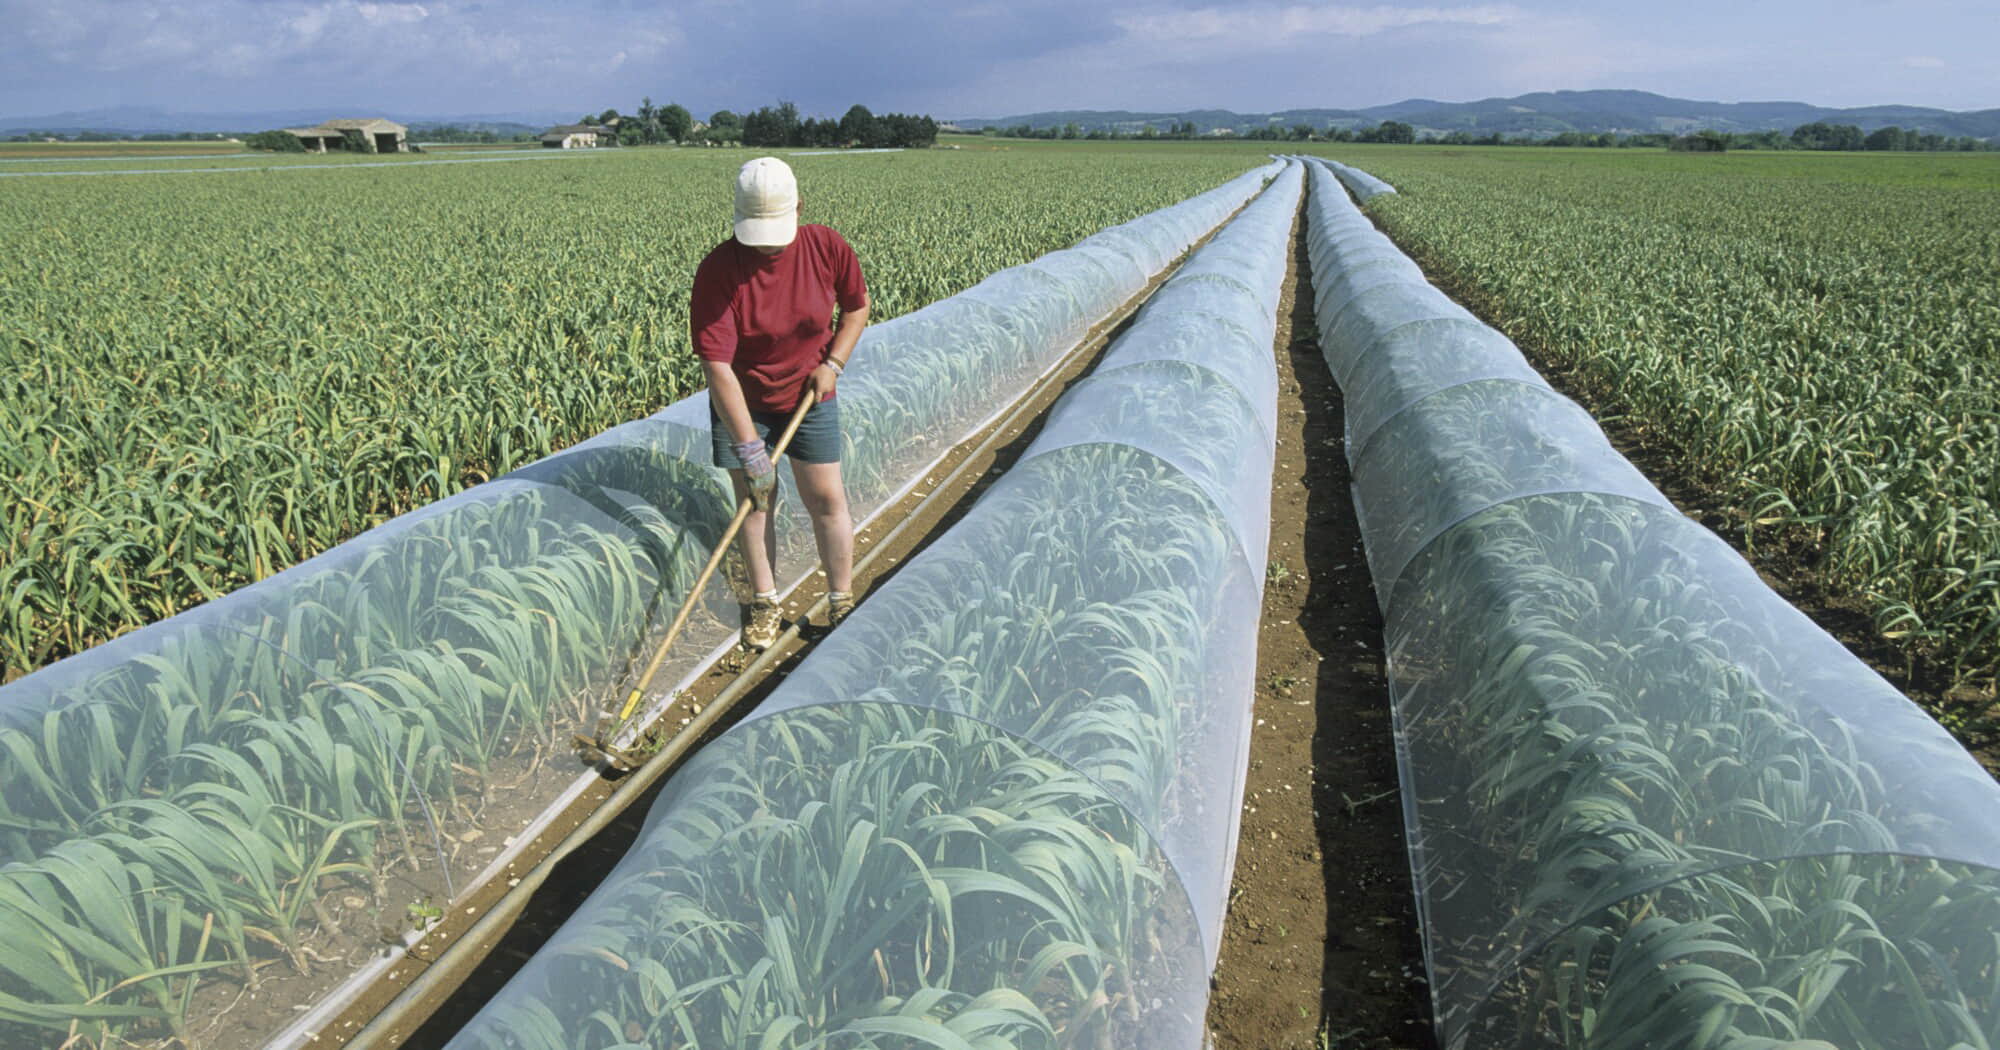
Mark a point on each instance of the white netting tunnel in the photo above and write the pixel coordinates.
(175, 804)
(997, 806)
(1364, 186)
(1649, 803)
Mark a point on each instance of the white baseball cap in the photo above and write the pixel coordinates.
(767, 203)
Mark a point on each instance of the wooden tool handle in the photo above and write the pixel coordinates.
(714, 559)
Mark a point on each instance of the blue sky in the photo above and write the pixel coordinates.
(983, 59)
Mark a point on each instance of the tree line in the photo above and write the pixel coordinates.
(1814, 136)
(1819, 135)
(1182, 130)
(771, 126)
(1186, 129)
(779, 125)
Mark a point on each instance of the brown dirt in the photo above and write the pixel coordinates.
(1321, 870)
(359, 926)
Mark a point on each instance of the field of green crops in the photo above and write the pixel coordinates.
(1816, 335)
(227, 793)
(210, 377)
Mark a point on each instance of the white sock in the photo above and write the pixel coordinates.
(834, 596)
(768, 596)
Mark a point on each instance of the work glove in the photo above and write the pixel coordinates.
(759, 472)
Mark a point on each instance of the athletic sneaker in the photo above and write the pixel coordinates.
(761, 624)
(837, 608)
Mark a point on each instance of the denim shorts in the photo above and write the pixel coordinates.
(818, 439)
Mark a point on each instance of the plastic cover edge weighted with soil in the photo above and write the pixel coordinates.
(177, 800)
(1649, 803)
(999, 801)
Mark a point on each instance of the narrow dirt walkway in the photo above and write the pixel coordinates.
(1321, 869)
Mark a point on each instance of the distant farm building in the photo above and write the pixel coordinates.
(368, 135)
(577, 136)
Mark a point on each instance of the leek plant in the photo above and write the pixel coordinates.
(995, 808)
(176, 803)
(865, 874)
(195, 796)
(1649, 804)
(238, 376)
(1637, 825)
(1813, 336)
(949, 830)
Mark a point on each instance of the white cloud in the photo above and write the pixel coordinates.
(306, 26)
(1157, 57)
(1272, 56)
(391, 14)
(380, 45)
(1581, 53)
(983, 58)
(1288, 23)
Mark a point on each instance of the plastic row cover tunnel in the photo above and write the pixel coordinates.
(996, 807)
(1649, 803)
(1364, 186)
(175, 805)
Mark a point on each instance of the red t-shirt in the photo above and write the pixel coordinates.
(770, 318)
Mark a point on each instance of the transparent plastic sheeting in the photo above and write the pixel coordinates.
(1506, 440)
(996, 807)
(1365, 187)
(1649, 803)
(201, 796)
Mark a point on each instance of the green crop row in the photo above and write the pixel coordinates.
(1637, 829)
(182, 802)
(1817, 337)
(867, 875)
(1649, 803)
(209, 378)
(177, 803)
(962, 849)
(994, 809)
(181, 813)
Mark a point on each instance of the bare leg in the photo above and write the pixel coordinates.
(833, 529)
(759, 539)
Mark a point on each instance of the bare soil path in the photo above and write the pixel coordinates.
(1320, 949)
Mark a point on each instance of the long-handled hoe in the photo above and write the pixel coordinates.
(601, 745)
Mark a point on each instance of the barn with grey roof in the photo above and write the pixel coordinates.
(364, 135)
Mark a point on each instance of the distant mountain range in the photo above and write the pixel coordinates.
(1540, 113)
(142, 120)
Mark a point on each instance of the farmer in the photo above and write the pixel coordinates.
(761, 315)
